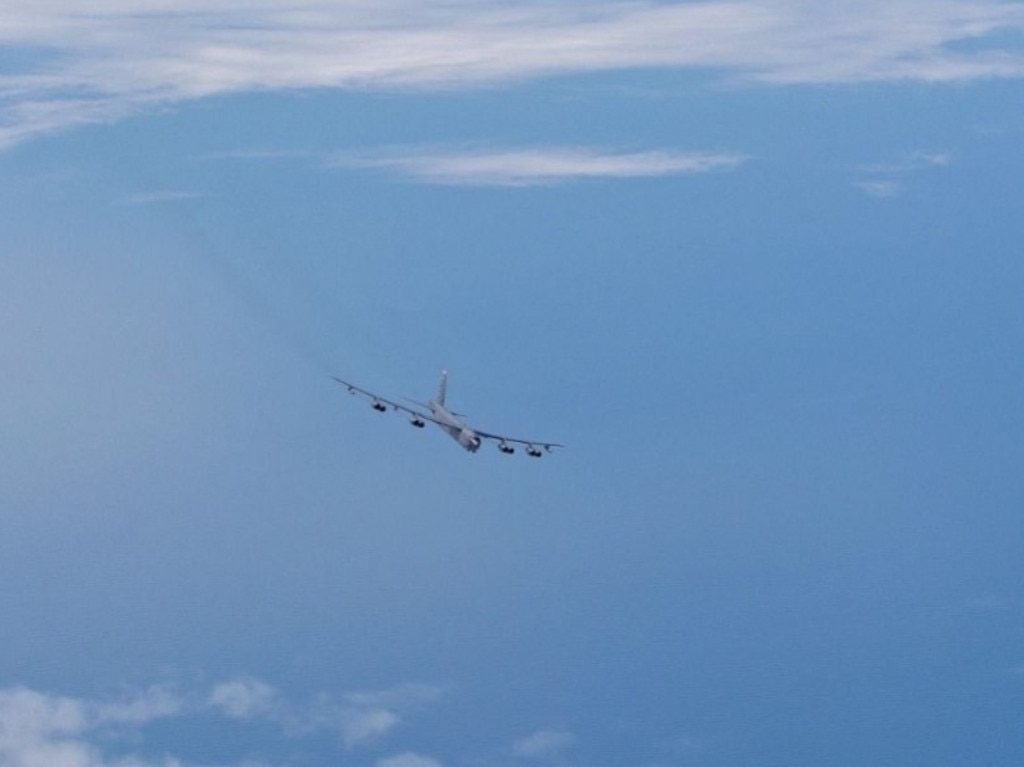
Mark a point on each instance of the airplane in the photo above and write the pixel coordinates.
(468, 437)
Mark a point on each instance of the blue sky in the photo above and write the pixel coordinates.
(756, 264)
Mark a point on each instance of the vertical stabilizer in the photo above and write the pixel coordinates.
(442, 388)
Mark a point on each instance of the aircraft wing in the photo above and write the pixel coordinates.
(533, 446)
(384, 403)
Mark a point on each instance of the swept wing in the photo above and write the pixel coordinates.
(532, 446)
(447, 421)
(382, 404)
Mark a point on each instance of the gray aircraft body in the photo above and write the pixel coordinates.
(451, 423)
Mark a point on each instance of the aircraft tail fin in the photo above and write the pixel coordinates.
(442, 388)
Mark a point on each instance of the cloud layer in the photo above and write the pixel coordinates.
(57, 731)
(543, 744)
(887, 180)
(535, 166)
(40, 729)
(69, 64)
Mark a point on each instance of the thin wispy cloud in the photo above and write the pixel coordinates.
(139, 708)
(408, 759)
(265, 155)
(880, 188)
(533, 166)
(912, 163)
(543, 744)
(37, 728)
(117, 57)
(889, 179)
(362, 725)
(366, 716)
(160, 197)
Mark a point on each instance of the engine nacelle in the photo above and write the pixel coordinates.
(418, 422)
(469, 440)
(533, 452)
(506, 448)
(379, 406)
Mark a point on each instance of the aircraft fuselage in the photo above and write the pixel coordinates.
(455, 428)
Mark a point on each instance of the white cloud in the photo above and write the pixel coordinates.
(156, 198)
(367, 716)
(243, 698)
(535, 166)
(880, 188)
(358, 717)
(543, 744)
(888, 178)
(407, 759)
(403, 696)
(116, 57)
(362, 725)
(157, 702)
(41, 730)
(912, 163)
(25, 713)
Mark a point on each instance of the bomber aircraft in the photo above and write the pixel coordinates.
(435, 411)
